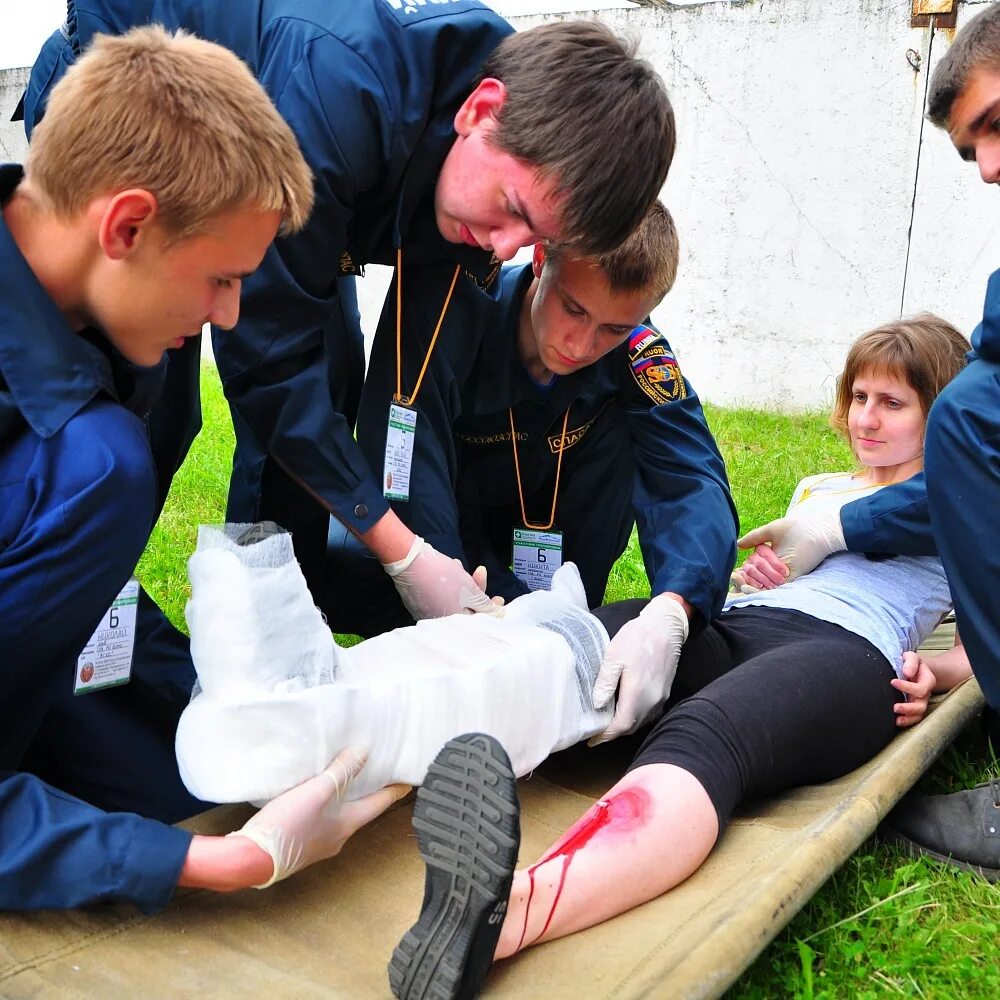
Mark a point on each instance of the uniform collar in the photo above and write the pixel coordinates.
(51, 372)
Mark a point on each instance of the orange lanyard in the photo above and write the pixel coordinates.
(517, 474)
(399, 397)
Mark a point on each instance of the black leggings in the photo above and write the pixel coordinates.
(767, 699)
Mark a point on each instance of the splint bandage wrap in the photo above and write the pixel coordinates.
(248, 735)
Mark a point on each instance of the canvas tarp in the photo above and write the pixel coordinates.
(329, 931)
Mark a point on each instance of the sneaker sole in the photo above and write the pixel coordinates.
(467, 822)
(915, 850)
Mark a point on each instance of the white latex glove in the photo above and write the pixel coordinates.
(311, 821)
(641, 662)
(432, 585)
(801, 540)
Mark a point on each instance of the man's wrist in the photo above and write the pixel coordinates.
(389, 540)
(225, 864)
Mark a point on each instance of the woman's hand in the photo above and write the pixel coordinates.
(917, 684)
(763, 570)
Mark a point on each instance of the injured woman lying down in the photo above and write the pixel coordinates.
(277, 699)
(791, 685)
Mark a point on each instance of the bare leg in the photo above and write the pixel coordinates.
(648, 834)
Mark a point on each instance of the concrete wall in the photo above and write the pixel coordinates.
(812, 199)
(12, 144)
(803, 162)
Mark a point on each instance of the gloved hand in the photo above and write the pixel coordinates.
(432, 585)
(643, 655)
(311, 821)
(801, 540)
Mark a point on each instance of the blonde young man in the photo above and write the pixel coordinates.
(155, 185)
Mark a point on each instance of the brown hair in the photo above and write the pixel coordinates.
(646, 262)
(175, 115)
(593, 118)
(977, 44)
(925, 351)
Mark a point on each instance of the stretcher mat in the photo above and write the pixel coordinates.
(329, 931)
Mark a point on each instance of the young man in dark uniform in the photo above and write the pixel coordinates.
(155, 185)
(431, 131)
(955, 510)
(548, 424)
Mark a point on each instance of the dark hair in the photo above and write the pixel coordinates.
(925, 351)
(977, 44)
(646, 262)
(593, 118)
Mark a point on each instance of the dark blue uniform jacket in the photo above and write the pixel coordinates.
(680, 494)
(371, 88)
(896, 520)
(78, 494)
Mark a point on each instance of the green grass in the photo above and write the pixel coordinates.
(883, 925)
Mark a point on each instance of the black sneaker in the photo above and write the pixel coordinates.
(961, 829)
(467, 820)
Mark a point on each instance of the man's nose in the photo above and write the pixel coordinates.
(226, 308)
(988, 161)
(508, 240)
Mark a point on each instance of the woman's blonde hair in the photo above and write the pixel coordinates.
(925, 351)
(177, 116)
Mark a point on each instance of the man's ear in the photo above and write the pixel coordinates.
(127, 216)
(482, 105)
(538, 259)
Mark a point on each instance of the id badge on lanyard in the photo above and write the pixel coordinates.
(536, 556)
(106, 660)
(401, 433)
(399, 440)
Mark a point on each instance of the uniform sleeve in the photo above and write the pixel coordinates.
(684, 512)
(895, 520)
(279, 368)
(57, 852)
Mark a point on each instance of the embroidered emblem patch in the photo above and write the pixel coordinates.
(574, 436)
(654, 367)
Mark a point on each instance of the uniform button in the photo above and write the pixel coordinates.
(361, 510)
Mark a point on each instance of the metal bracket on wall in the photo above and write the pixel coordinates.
(939, 13)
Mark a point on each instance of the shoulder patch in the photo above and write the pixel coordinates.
(654, 367)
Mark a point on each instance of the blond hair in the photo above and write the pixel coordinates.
(175, 115)
(924, 351)
(645, 263)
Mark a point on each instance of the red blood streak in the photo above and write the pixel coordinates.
(621, 813)
(527, 908)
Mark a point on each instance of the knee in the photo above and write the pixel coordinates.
(698, 736)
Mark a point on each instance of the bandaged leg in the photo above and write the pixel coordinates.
(278, 699)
